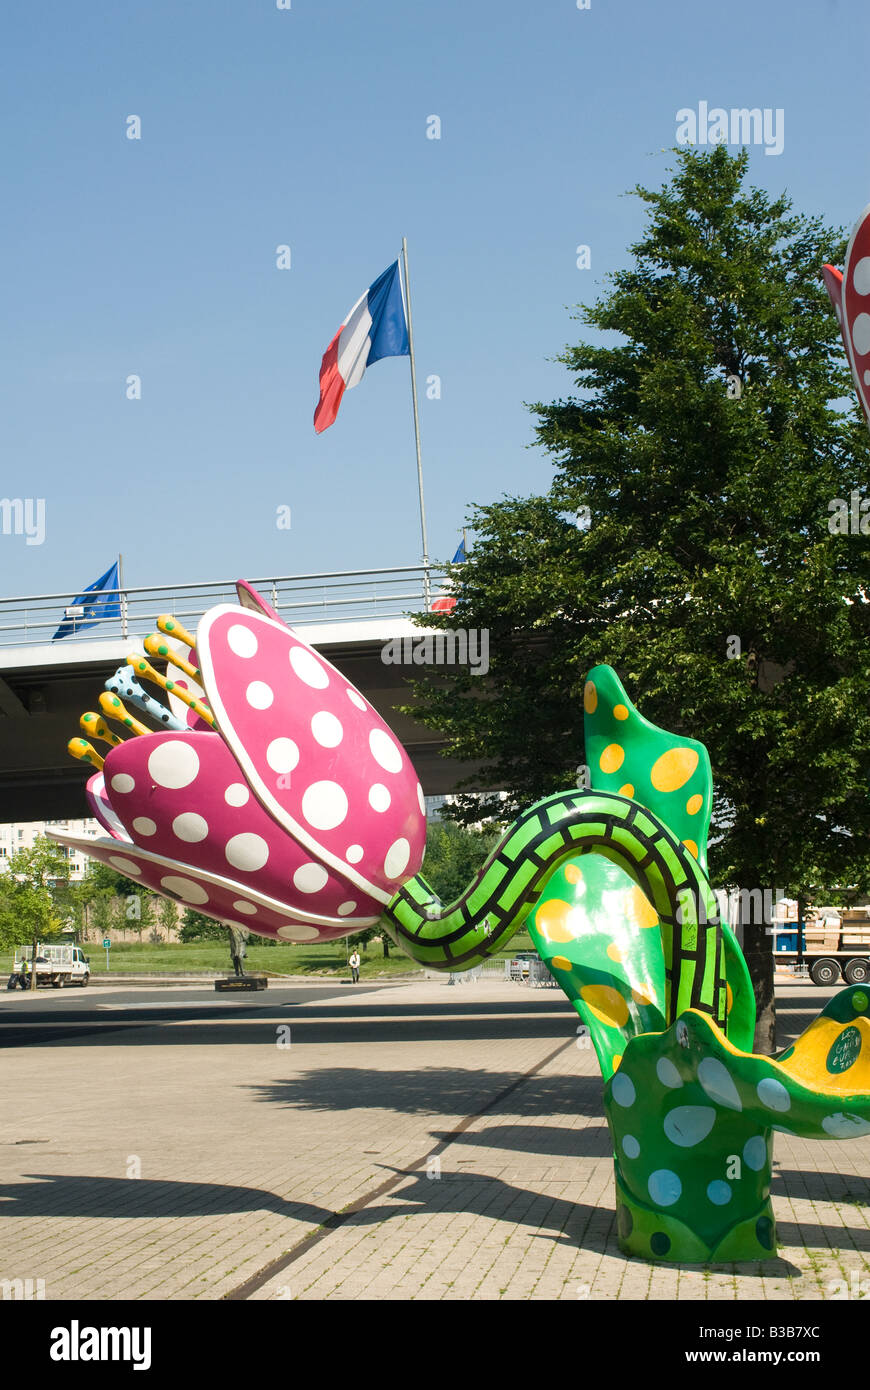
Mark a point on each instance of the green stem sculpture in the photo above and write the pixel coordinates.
(612, 885)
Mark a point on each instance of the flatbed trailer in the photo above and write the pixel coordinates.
(835, 944)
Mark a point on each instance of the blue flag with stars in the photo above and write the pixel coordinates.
(100, 600)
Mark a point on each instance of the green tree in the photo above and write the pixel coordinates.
(685, 541)
(197, 927)
(167, 917)
(453, 856)
(148, 908)
(35, 900)
(107, 880)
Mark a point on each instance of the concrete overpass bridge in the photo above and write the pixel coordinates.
(46, 685)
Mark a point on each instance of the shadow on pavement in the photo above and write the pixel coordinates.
(435, 1091)
(816, 1186)
(152, 1026)
(590, 1228)
(57, 1194)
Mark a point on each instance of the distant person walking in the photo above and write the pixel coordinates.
(354, 965)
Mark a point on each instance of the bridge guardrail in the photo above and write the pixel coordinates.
(307, 599)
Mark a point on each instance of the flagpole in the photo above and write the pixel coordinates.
(122, 596)
(416, 426)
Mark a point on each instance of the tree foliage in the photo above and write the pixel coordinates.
(703, 568)
(454, 854)
(35, 897)
(195, 926)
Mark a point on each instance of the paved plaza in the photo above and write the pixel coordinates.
(407, 1140)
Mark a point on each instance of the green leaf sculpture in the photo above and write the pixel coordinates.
(612, 884)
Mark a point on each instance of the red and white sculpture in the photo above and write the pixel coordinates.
(849, 292)
(299, 816)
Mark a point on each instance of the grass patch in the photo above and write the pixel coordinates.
(130, 957)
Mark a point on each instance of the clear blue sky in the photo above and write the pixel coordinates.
(307, 127)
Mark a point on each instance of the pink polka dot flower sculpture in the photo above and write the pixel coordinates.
(274, 797)
(849, 291)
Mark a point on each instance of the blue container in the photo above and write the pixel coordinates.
(787, 940)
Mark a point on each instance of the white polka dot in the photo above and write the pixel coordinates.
(345, 909)
(354, 854)
(122, 782)
(356, 699)
(308, 668)
(173, 765)
(327, 729)
(143, 825)
(397, 858)
(124, 866)
(190, 827)
(755, 1153)
(773, 1094)
(421, 800)
(861, 334)
(259, 695)
(664, 1187)
(236, 794)
(185, 888)
(298, 932)
(379, 797)
(622, 1090)
(668, 1074)
(384, 751)
(717, 1082)
(719, 1193)
(688, 1125)
(861, 276)
(630, 1146)
(247, 852)
(867, 378)
(840, 1126)
(324, 805)
(241, 641)
(282, 755)
(241, 905)
(310, 878)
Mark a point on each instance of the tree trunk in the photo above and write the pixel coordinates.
(759, 958)
(385, 942)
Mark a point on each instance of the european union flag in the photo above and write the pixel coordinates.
(99, 601)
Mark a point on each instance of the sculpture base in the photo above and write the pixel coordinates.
(233, 983)
(654, 1235)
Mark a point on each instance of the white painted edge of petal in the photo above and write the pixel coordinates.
(253, 600)
(246, 763)
(241, 890)
(847, 334)
(104, 817)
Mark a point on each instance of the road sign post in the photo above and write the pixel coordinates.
(107, 946)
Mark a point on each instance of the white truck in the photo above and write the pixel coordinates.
(55, 965)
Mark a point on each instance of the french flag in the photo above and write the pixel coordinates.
(376, 327)
(444, 601)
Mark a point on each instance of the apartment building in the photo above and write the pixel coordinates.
(22, 834)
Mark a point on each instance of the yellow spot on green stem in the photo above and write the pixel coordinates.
(612, 758)
(673, 769)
